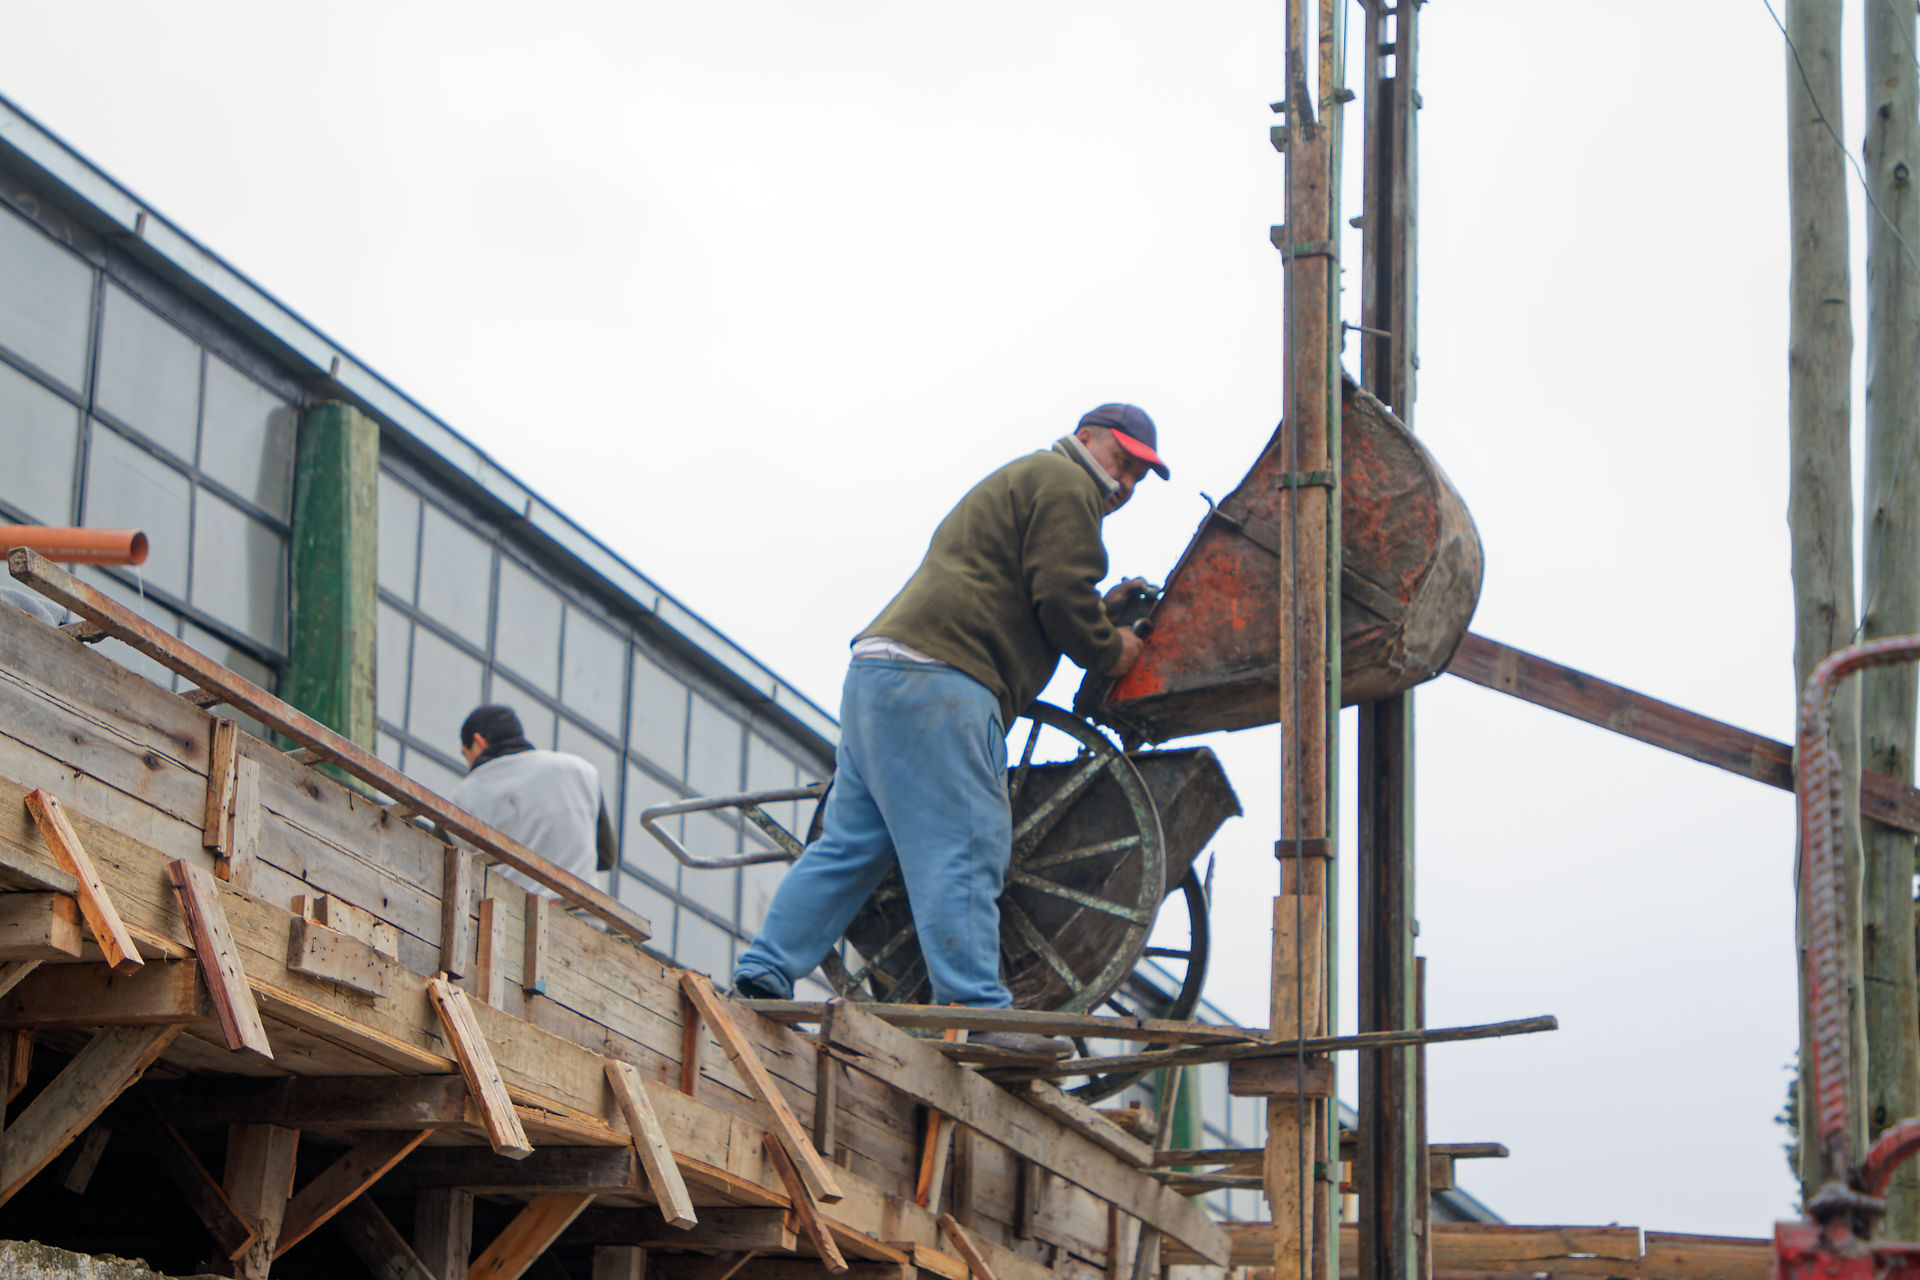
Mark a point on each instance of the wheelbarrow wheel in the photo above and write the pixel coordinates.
(1149, 1002)
(1085, 883)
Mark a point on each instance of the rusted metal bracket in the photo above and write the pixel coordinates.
(1304, 847)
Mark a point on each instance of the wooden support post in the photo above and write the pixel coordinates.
(693, 1041)
(935, 1144)
(804, 1206)
(533, 970)
(83, 1157)
(99, 1073)
(827, 1069)
(203, 1193)
(95, 905)
(619, 1262)
(379, 1244)
(443, 1231)
(219, 958)
(456, 919)
(532, 1231)
(259, 1182)
(650, 1144)
(216, 827)
(490, 966)
(18, 1047)
(482, 1075)
(332, 568)
(814, 1171)
(342, 1182)
(964, 1246)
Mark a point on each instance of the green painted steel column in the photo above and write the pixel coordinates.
(333, 556)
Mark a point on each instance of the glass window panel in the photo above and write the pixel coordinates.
(767, 770)
(387, 747)
(46, 293)
(395, 637)
(399, 536)
(638, 847)
(239, 569)
(709, 836)
(129, 488)
(704, 947)
(430, 773)
(158, 614)
(593, 675)
(657, 720)
(247, 438)
(604, 759)
(714, 744)
(1213, 1096)
(656, 907)
(446, 686)
(757, 885)
(536, 721)
(39, 437)
(526, 627)
(456, 574)
(149, 374)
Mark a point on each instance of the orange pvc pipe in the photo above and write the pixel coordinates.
(78, 546)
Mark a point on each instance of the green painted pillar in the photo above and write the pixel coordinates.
(332, 564)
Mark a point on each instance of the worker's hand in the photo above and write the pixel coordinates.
(1119, 592)
(1130, 647)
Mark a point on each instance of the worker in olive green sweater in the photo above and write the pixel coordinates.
(1007, 586)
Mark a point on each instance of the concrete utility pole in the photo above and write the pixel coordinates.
(1820, 494)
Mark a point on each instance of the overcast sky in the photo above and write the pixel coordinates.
(754, 290)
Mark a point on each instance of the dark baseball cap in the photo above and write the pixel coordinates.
(1133, 429)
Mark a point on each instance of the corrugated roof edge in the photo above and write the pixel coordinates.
(331, 363)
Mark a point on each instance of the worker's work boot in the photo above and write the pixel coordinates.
(1024, 1042)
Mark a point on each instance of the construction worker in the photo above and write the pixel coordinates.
(1006, 587)
(549, 801)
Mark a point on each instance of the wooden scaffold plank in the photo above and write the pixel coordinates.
(95, 905)
(532, 1231)
(814, 1171)
(650, 1144)
(343, 1182)
(219, 958)
(804, 1206)
(477, 1065)
(379, 1244)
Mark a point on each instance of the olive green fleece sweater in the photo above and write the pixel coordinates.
(1008, 582)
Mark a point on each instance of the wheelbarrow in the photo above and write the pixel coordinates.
(1099, 836)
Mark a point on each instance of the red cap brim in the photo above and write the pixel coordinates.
(1142, 452)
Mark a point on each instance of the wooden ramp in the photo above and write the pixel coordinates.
(260, 1021)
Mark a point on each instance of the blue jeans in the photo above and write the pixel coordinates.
(921, 776)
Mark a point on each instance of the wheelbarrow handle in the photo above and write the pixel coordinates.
(748, 802)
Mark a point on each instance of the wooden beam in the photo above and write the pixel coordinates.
(1154, 1059)
(456, 922)
(922, 1017)
(814, 1171)
(85, 996)
(443, 1231)
(533, 966)
(95, 905)
(39, 926)
(330, 955)
(804, 1206)
(342, 1182)
(722, 1229)
(964, 1246)
(259, 1181)
(1288, 1077)
(920, 1072)
(99, 1073)
(619, 1262)
(577, 1170)
(203, 1193)
(216, 826)
(219, 958)
(532, 1231)
(1103, 1132)
(477, 1065)
(326, 1103)
(490, 964)
(83, 1157)
(650, 1143)
(378, 1243)
(1574, 693)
